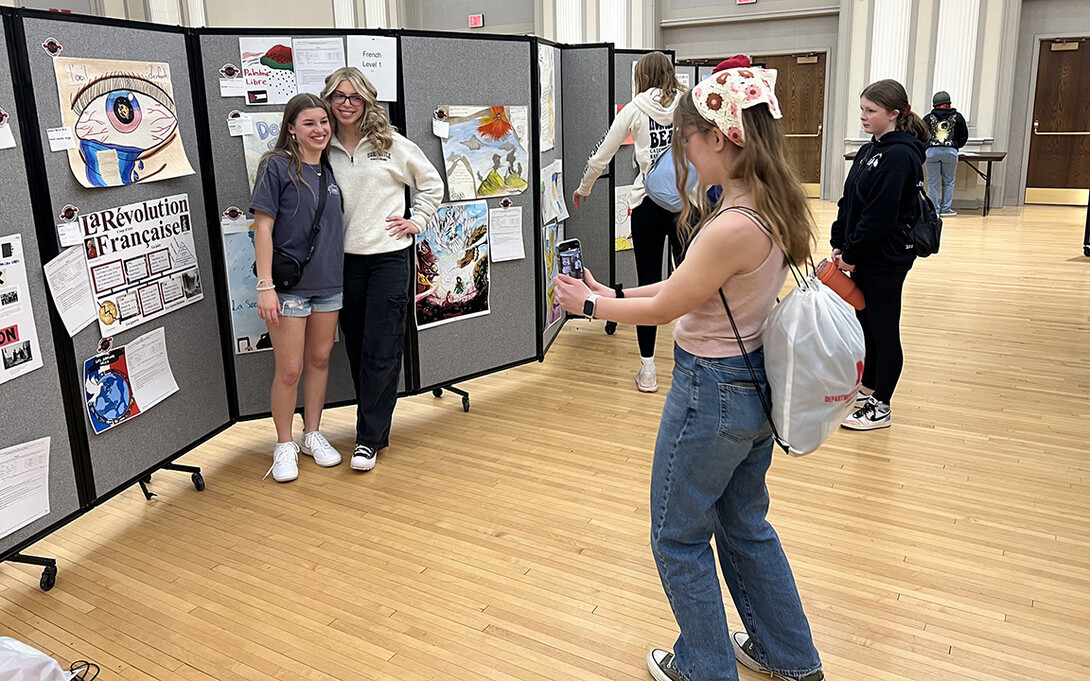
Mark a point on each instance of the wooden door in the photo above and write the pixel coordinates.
(1059, 148)
(800, 86)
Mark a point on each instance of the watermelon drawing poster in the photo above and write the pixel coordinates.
(268, 70)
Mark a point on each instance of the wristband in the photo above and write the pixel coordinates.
(268, 287)
(619, 289)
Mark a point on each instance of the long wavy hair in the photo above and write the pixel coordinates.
(655, 70)
(891, 96)
(374, 123)
(763, 166)
(288, 147)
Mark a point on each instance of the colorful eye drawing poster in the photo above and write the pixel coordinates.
(553, 312)
(546, 66)
(268, 70)
(123, 117)
(452, 274)
(622, 219)
(124, 382)
(19, 352)
(266, 130)
(140, 261)
(251, 334)
(485, 154)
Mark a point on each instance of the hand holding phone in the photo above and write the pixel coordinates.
(570, 258)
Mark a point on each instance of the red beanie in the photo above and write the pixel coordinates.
(738, 61)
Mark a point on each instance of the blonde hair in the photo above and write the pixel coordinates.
(655, 70)
(288, 147)
(763, 167)
(374, 123)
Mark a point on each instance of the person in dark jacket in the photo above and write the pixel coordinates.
(948, 134)
(870, 238)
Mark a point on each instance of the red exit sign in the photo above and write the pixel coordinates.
(476, 20)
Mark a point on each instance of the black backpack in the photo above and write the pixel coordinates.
(926, 230)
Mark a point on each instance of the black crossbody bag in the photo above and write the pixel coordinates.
(286, 268)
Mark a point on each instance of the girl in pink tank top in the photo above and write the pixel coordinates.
(714, 444)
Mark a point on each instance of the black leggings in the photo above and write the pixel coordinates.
(652, 226)
(881, 321)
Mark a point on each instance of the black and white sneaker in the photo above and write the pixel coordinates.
(870, 416)
(861, 399)
(661, 665)
(743, 650)
(363, 458)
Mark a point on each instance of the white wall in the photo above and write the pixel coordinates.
(269, 13)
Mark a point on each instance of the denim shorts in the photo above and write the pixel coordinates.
(301, 306)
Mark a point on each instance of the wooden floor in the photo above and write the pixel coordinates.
(511, 543)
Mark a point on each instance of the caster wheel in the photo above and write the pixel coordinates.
(465, 404)
(611, 328)
(1086, 251)
(49, 578)
(438, 392)
(198, 482)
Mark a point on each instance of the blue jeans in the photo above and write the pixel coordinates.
(941, 164)
(708, 479)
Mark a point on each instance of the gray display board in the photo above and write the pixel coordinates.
(625, 169)
(588, 104)
(193, 336)
(253, 370)
(31, 406)
(690, 71)
(571, 180)
(440, 71)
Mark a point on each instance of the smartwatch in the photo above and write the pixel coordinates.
(589, 304)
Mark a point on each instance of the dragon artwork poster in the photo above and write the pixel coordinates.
(452, 273)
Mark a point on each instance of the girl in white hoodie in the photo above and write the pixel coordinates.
(373, 165)
(649, 119)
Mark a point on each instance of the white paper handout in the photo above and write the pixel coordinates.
(24, 484)
(141, 261)
(19, 351)
(67, 278)
(505, 241)
(316, 58)
(376, 56)
(126, 381)
(7, 139)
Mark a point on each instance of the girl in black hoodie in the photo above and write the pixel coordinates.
(869, 237)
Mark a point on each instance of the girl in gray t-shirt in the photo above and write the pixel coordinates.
(291, 182)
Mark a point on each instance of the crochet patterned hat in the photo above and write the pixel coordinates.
(721, 97)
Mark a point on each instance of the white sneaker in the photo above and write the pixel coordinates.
(285, 467)
(861, 399)
(363, 458)
(647, 380)
(869, 417)
(315, 444)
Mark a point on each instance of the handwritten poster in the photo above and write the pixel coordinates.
(141, 261)
(268, 70)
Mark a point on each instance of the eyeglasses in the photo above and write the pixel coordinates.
(340, 98)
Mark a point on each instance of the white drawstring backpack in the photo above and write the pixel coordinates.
(814, 352)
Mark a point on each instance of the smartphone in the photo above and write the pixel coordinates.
(570, 258)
